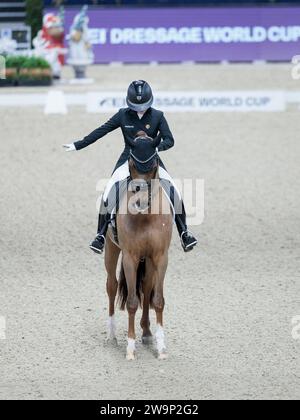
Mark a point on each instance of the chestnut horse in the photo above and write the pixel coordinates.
(144, 222)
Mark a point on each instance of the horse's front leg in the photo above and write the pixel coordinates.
(147, 287)
(112, 253)
(130, 269)
(160, 264)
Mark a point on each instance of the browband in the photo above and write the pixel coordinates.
(143, 161)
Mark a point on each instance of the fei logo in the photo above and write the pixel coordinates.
(296, 67)
(296, 327)
(2, 328)
(2, 67)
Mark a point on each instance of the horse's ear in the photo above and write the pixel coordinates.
(157, 140)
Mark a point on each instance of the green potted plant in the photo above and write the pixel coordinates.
(27, 71)
(35, 71)
(13, 64)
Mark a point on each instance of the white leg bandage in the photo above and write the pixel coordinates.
(160, 339)
(130, 354)
(131, 345)
(111, 324)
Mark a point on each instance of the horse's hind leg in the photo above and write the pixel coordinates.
(112, 253)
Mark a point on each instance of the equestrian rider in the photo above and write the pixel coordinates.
(139, 116)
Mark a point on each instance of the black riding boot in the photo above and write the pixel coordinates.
(106, 209)
(188, 241)
(104, 218)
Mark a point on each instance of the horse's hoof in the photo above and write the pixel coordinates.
(112, 341)
(163, 355)
(147, 340)
(130, 356)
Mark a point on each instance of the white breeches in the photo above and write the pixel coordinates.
(123, 172)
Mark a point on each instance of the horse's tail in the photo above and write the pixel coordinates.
(123, 290)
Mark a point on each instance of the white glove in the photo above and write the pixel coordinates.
(69, 147)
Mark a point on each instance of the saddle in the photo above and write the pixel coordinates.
(113, 225)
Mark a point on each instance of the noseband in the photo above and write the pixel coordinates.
(140, 185)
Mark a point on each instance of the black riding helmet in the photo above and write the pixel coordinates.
(139, 96)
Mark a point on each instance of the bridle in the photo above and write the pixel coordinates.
(142, 161)
(143, 185)
(137, 186)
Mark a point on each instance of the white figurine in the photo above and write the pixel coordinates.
(80, 50)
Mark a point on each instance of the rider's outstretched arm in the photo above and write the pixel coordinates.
(95, 135)
(165, 133)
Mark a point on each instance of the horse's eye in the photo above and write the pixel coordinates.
(138, 189)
